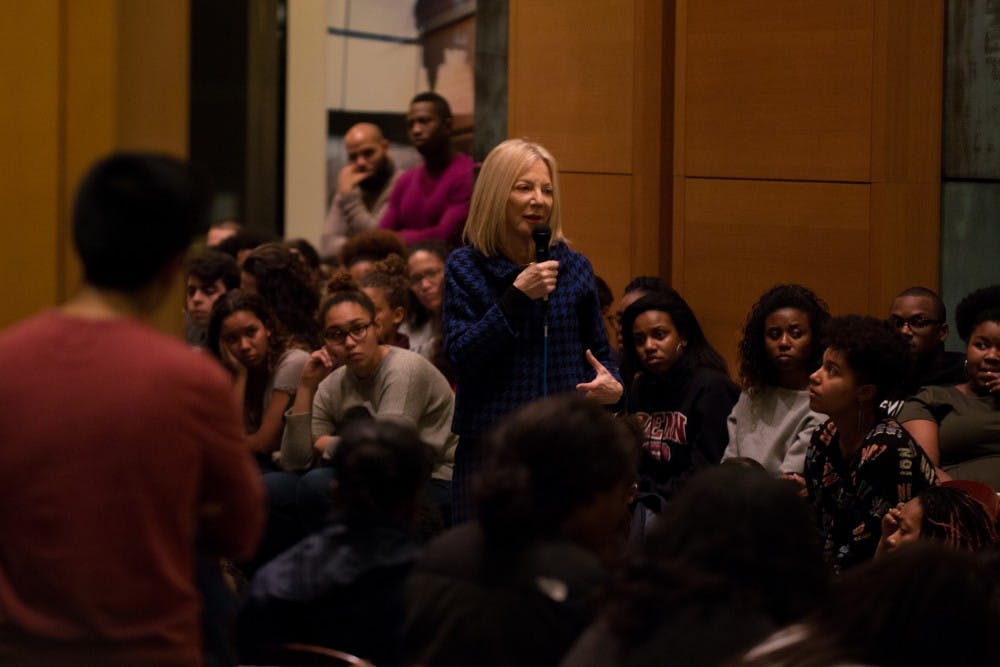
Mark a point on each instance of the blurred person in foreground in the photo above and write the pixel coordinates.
(114, 469)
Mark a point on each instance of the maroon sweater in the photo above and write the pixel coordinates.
(121, 454)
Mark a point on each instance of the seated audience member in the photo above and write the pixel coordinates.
(240, 244)
(780, 348)
(734, 557)
(925, 606)
(679, 391)
(361, 251)
(274, 272)
(342, 587)
(355, 371)
(920, 315)
(220, 231)
(363, 187)
(431, 202)
(637, 288)
(388, 286)
(944, 514)
(114, 473)
(425, 264)
(517, 586)
(210, 274)
(244, 335)
(860, 463)
(959, 427)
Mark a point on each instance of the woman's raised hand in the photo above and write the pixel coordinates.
(320, 365)
(230, 361)
(538, 280)
(604, 388)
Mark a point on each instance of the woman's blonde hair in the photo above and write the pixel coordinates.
(487, 223)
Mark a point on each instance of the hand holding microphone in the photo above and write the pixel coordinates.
(539, 279)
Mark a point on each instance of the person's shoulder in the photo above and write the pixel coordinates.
(712, 378)
(293, 355)
(462, 164)
(937, 394)
(457, 551)
(410, 363)
(465, 259)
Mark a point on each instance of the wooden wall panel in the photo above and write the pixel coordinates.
(103, 75)
(741, 237)
(778, 89)
(590, 83)
(907, 103)
(597, 220)
(570, 81)
(906, 242)
(30, 159)
(825, 117)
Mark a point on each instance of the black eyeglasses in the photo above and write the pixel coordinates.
(338, 336)
(916, 323)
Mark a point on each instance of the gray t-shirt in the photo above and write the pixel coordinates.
(404, 386)
(968, 431)
(772, 426)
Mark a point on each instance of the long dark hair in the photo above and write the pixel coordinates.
(732, 536)
(546, 460)
(285, 283)
(698, 352)
(756, 369)
(234, 301)
(922, 605)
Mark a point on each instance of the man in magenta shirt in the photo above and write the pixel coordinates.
(431, 201)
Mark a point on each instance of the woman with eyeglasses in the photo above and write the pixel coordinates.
(425, 265)
(354, 370)
(959, 426)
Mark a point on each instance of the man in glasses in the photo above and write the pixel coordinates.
(920, 315)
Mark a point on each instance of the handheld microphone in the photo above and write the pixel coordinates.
(541, 234)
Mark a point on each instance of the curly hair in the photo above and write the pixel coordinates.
(342, 288)
(733, 535)
(390, 276)
(874, 349)
(284, 282)
(756, 369)
(955, 518)
(698, 351)
(380, 467)
(548, 459)
(234, 301)
(371, 247)
(980, 306)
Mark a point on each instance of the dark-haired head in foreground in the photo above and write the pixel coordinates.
(734, 557)
(134, 216)
(561, 466)
(924, 606)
